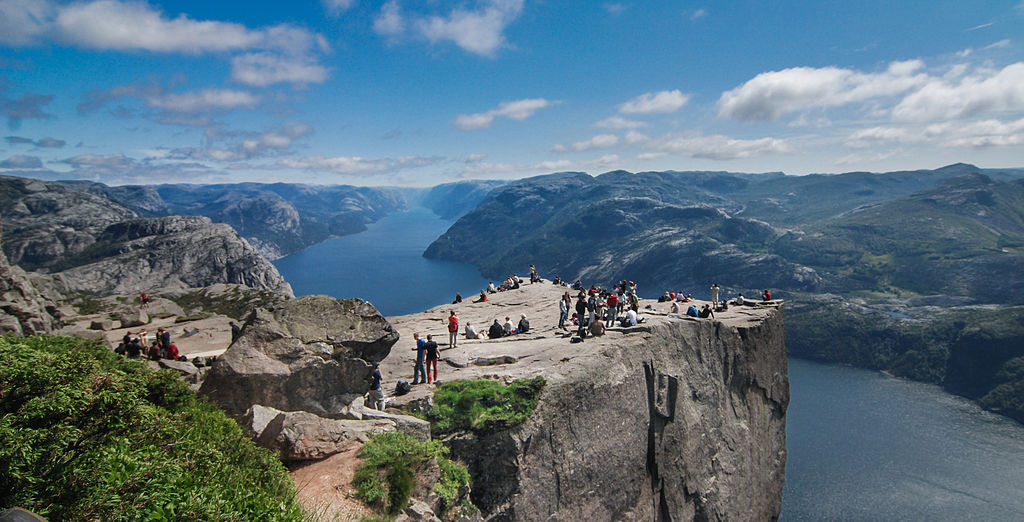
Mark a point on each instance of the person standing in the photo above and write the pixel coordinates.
(714, 295)
(376, 390)
(432, 356)
(581, 314)
(453, 329)
(235, 330)
(564, 304)
(419, 373)
(163, 338)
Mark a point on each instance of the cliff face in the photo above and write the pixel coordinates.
(170, 252)
(677, 419)
(91, 244)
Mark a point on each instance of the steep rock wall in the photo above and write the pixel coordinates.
(681, 420)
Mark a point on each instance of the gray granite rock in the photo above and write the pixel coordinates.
(312, 354)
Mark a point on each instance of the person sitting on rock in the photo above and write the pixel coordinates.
(133, 349)
(171, 352)
(631, 318)
(578, 285)
(597, 327)
(471, 332)
(490, 287)
(458, 298)
(739, 299)
(691, 311)
(482, 298)
(705, 312)
(674, 309)
(495, 331)
(766, 296)
(524, 324)
(508, 328)
(665, 298)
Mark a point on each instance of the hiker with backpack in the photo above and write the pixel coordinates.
(453, 329)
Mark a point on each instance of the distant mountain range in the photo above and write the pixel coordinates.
(884, 270)
(919, 273)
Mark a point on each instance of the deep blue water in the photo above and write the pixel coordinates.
(384, 265)
(866, 446)
(862, 445)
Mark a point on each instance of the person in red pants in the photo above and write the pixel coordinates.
(432, 356)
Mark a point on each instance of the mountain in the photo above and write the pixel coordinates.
(278, 219)
(951, 237)
(91, 244)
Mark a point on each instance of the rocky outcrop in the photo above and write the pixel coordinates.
(685, 421)
(23, 309)
(311, 354)
(300, 435)
(171, 252)
(91, 244)
(675, 419)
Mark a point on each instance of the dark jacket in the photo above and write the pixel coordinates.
(495, 331)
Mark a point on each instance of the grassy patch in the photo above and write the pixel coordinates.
(89, 435)
(483, 405)
(387, 477)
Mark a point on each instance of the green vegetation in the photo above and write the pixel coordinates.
(483, 405)
(387, 477)
(89, 435)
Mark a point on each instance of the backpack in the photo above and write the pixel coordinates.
(402, 388)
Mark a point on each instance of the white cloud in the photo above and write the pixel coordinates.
(206, 99)
(717, 147)
(108, 24)
(618, 122)
(975, 134)
(336, 7)
(518, 110)
(769, 96)
(20, 20)
(111, 161)
(262, 69)
(614, 8)
(601, 141)
(350, 164)
(973, 94)
(655, 102)
(137, 26)
(698, 14)
(390, 21)
(479, 31)
(633, 137)
(21, 162)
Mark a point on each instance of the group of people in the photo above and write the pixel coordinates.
(596, 308)
(160, 348)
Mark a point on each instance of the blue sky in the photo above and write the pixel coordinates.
(404, 92)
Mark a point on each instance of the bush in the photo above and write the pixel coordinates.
(483, 405)
(387, 477)
(90, 435)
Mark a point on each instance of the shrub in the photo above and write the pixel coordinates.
(391, 461)
(483, 405)
(90, 435)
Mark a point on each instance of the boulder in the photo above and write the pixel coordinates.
(186, 368)
(101, 324)
(412, 426)
(314, 354)
(300, 435)
(257, 418)
(133, 318)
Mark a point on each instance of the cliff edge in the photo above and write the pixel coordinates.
(675, 419)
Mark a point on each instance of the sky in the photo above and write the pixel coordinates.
(422, 92)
